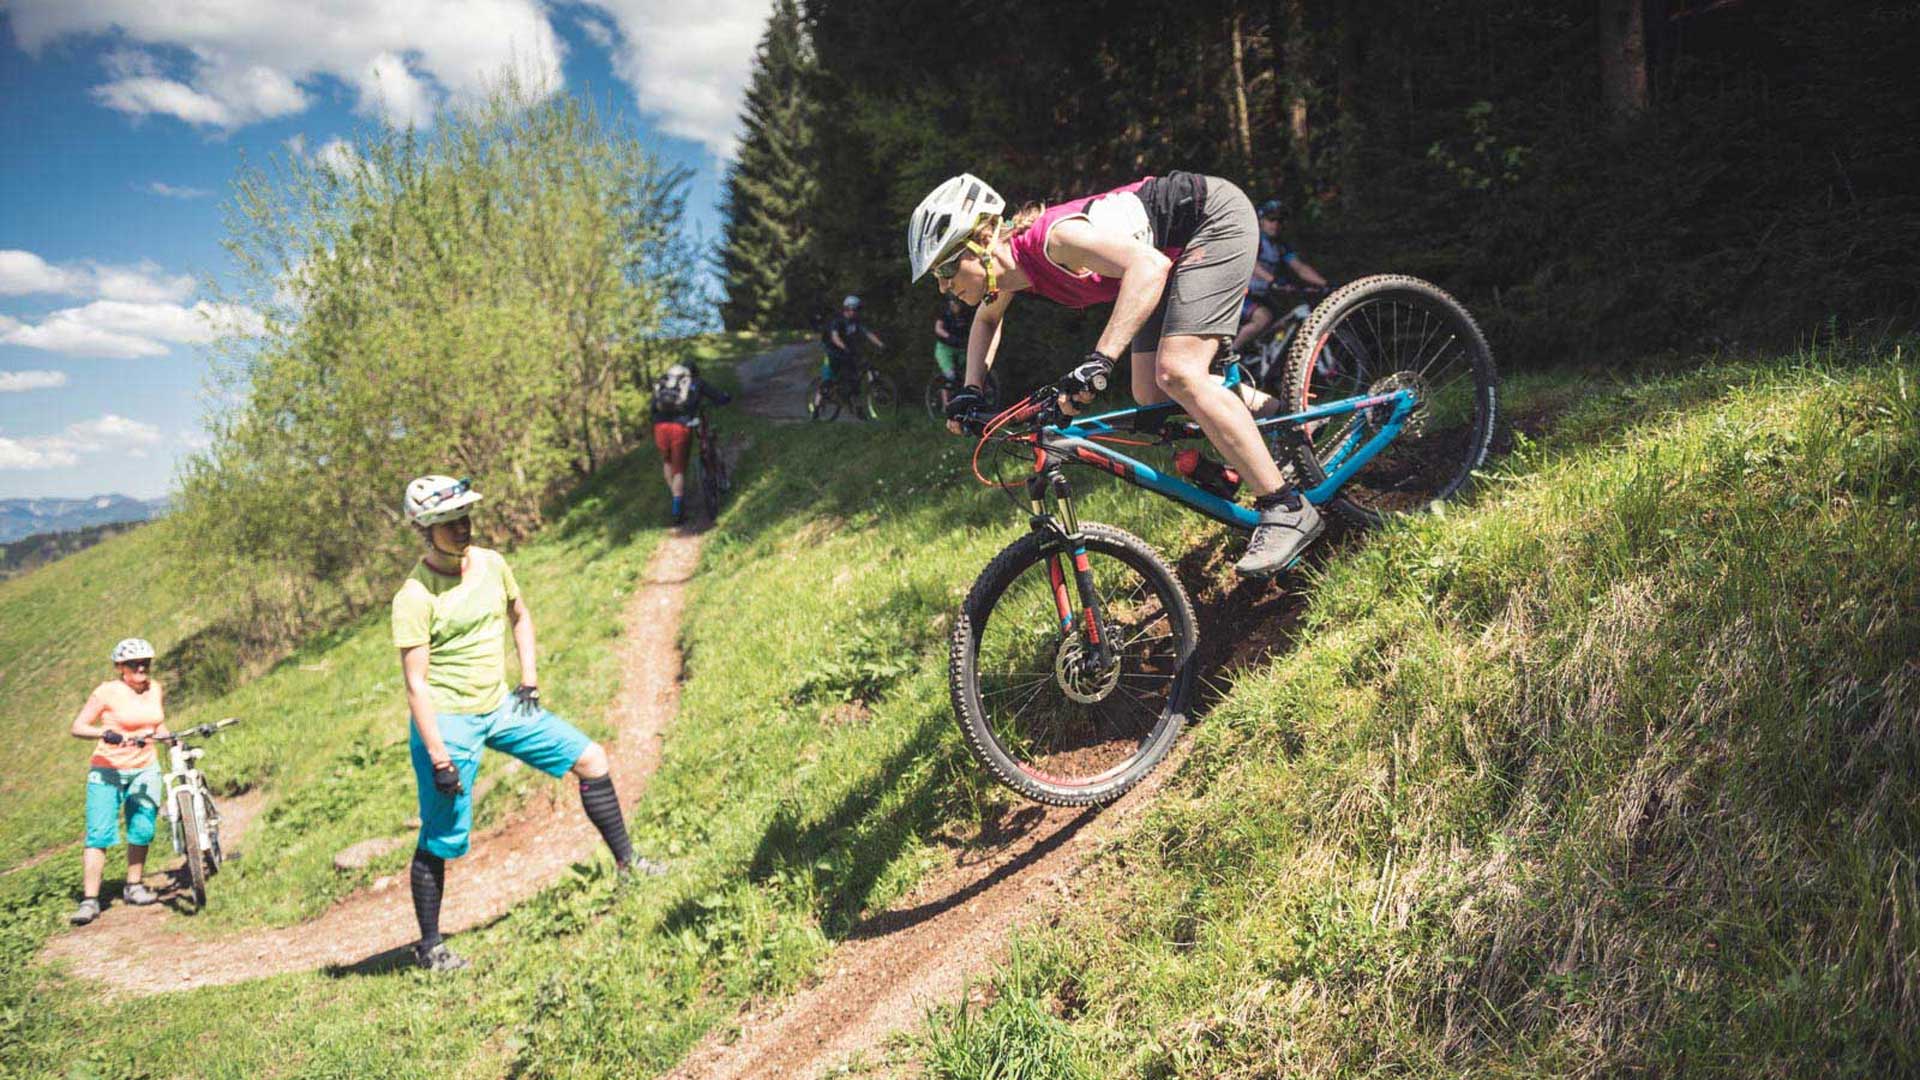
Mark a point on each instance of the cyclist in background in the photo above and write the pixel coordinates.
(1266, 295)
(123, 776)
(1172, 254)
(951, 324)
(451, 618)
(842, 340)
(678, 395)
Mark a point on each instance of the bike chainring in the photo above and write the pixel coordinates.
(1422, 396)
(1073, 671)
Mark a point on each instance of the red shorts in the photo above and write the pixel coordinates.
(673, 439)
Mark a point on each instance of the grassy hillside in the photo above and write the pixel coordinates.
(1617, 772)
(814, 767)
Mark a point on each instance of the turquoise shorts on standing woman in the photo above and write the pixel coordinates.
(112, 793)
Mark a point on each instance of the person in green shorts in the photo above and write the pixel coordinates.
(951, 324)
(451, 618)
(123, 775)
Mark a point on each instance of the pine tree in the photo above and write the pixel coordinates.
(770, 188)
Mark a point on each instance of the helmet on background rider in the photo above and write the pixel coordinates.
(434, 498)
(132, 648)
(945, 220)
(851, 302)
(1272, 209)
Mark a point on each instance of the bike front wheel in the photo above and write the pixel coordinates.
(879, 398)
(711, 477)
(822, 402)
(1375, 336)
(196, 859)
(1033, 712)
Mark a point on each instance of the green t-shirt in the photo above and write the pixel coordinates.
(463, 622)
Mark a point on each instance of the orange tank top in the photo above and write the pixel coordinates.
(133, 716)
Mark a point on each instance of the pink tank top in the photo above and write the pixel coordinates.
(1055, 282)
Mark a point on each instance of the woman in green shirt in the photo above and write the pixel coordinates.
(450, 622)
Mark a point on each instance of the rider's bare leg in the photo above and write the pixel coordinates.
(136, 863)
(1257, 322)
(1181, 370)
(676, 481)
(93, 865)
(1146, 388)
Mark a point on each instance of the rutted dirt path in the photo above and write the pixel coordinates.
(507, 864)
(923, 950)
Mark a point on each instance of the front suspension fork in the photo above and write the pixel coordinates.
(1065, 520)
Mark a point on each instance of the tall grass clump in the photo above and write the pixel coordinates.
(1617, 771)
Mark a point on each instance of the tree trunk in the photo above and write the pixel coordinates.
(1295, 78)
(1242, 124)
(1623, 59)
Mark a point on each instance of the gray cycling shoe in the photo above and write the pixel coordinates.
(139, 895)
(640, 867)
(88, 911)
(1286, 528)
(438, 957)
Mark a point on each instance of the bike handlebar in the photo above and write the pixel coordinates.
(200, 731)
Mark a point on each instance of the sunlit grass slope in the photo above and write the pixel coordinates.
(1616, 772)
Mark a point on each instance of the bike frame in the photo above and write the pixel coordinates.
(182, 775)
(1050, 494)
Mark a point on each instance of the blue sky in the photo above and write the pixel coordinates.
(125, 120)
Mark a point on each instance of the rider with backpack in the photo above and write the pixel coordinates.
(677, 397)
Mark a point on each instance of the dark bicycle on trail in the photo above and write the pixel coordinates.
(715, 480)
(865, 392)
(1072, 662)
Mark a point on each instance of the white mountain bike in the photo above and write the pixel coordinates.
(191, 814)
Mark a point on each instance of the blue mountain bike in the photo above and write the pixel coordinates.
(1072, 661)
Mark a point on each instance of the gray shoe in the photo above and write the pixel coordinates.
(139, 895)
(438, 958)
(88, 911)
(640, 867)
(1285, 530)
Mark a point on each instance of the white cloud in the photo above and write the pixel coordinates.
(249, 60)
(597, 29)
(18, 382)
(106, 433)
(388, 91)
(22, 273)
(171, 191)
(688, 64)
(117, 329)
(338, 156)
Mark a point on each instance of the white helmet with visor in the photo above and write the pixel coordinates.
(433, 499)
(946, 218)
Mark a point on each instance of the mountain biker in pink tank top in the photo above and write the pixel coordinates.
(1173, 255)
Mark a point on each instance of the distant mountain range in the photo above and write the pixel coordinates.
(25, 517)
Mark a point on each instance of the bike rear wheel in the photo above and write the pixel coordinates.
(1037, 721)
(937, 409)
(1373, 336)
(196, 859)
(712, 476)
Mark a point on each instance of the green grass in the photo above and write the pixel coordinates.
(1451, 711)
(1615, 772)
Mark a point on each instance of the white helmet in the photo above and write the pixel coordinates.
(851, 301)
(433, 499)
(132, 648)
(945, 218)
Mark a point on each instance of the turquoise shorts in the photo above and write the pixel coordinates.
(533, 735)
(111, 794)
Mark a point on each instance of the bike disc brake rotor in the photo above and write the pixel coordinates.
(1416, 422)
(1072, 671)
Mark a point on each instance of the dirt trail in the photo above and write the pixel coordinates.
(371, 927)
(774, 384)
(922, 951)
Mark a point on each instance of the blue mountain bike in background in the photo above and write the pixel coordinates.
(1072, 660)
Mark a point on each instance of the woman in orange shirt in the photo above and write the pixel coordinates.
(123, 777)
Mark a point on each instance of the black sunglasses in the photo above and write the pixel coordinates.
(138, 665)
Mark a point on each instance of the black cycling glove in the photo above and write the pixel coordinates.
(446, 779)
(527, 695)
(965, 401)
(112, 738)
(1089, 376)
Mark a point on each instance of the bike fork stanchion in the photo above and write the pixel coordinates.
(1067, 520)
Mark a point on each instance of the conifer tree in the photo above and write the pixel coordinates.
(770, 188)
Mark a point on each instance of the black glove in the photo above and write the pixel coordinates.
(527, 695)
(446, 779)
(966, 400)
(1089, 377)
(112, 738)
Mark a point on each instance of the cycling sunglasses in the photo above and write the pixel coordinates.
(138, 665)
(946, 270)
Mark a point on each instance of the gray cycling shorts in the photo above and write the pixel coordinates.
(1209, 280)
